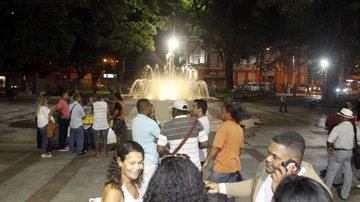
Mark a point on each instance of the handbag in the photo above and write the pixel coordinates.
(356, 151)
(111, 138)
(50, 131)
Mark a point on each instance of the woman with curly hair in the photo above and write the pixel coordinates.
(176, 179)
(125, 174)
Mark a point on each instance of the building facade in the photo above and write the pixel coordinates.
(253, 69)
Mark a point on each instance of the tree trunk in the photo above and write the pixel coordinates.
(121, 71)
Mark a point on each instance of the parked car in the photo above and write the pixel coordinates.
(315, 88)
(302, 88)
(342, 90)
(252, 86)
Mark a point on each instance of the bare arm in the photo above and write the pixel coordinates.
(112, 195)
(116, 112)
(162, 150)
(211, 155)
(203, 145)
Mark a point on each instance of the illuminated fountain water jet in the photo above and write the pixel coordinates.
(171, 83)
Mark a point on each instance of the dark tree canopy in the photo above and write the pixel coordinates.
(77, 33)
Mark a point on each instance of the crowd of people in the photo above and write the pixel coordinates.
(83, 123)
(164, 162)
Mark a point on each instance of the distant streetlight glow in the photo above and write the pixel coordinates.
(324, 63)
(105, 60)
(173, 44)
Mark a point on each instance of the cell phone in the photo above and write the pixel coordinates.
(290, 163)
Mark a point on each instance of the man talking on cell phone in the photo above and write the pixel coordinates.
(282, 148)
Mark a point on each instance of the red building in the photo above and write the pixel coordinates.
(253, 69)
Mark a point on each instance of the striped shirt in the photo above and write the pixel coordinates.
(100, 115)
(173, 132)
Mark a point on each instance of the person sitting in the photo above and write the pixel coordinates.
(299, 188)
(176, 179)
(125, 174)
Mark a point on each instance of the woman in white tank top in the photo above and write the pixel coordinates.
(125, 174)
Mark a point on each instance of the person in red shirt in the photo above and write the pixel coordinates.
(63, 120)
(333, 119)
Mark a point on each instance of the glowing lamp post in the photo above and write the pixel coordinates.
(173, 44)
(324, 64)
(170, 66)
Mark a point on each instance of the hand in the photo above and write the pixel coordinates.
(330, 150)
(279, 174)
(212, 186)
(205, 164)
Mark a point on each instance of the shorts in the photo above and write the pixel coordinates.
(100, 135)
(119, 127)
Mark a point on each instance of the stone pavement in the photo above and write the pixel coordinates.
(25, 176)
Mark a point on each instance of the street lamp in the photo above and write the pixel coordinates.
(173, 44)
(324, 63)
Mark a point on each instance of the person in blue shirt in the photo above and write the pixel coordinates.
(146, 131)
(76, 125)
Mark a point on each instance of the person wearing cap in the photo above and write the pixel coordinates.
(339, 146)
(174, 131)
(333, 120)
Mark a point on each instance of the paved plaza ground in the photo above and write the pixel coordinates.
(25, 176)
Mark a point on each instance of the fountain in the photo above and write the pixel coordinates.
(170, 84)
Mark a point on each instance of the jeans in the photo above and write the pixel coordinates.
(78, 135)
(220, 178)
(44, 139)
(63, 126)
(340, 158)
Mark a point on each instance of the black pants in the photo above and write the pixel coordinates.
(89, 139)
(281, 106)
(38, 135)
(63, 126)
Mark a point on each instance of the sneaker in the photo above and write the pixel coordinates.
(48, 155)
(64, 150)
(358, 186)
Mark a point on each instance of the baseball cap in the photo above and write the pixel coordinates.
(180, 105)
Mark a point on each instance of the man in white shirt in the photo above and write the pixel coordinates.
(283, 101)
(199, 108)
(283, 147)
(101, 125)
(339, 146)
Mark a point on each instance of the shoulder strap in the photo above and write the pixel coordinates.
(72, 109)
(185, 138)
